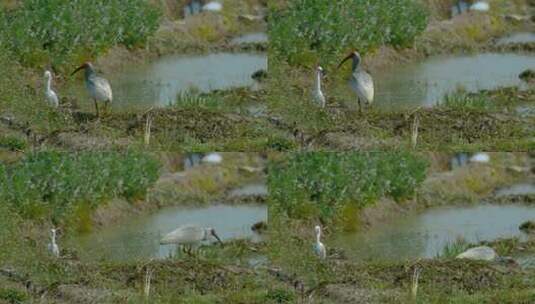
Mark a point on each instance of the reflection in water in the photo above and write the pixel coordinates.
(524, 37)
(426, 83)
(139, 237)
(160, 82)
(519, 189)
(426, 234)
(259, 189)
(259, 37)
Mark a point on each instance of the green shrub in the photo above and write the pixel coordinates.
(326, 185)
(330, 28)
(55, 184)
(59, 32)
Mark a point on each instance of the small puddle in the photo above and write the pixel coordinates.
(139, 237)
(425, 235)
(426, 83)
(258, 189)
(523, 37)
(519, 189)
(192, 160)
(158, 83)
(259, 37)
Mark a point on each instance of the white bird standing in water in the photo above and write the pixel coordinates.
(51, 96)
(53, 246)
(319, 248)
(318, 94)
(99, 88)
(189, 236)
(361, 82)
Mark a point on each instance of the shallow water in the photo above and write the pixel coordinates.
(519, 189)
(259, 37)
(259, 189)
(158, 83)
(139, 237)
(427, 82)
(426, 234)
(522, 37)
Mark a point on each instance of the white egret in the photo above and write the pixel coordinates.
(317, 93)
(99, 88)
(53, 246)
(189, 236)
(51, 96)
(361, 82)
(319, 248)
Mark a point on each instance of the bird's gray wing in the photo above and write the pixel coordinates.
(184, 235)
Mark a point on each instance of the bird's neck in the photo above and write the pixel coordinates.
(318, 237)
(318, 82)
(53, 238)
(48, 83)
(356, 64)
(89, 73)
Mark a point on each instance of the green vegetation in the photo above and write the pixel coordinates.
(58, 185)
(463, 101)
(317, 29)
(453, 249)
(329, 185)
(62, 32)
(341, 278)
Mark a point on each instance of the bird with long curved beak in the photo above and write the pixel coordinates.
(99, 88)
(189, 236)
(360, 81)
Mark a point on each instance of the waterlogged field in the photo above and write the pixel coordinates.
(393, 224)
(187, 78)
(456, 99)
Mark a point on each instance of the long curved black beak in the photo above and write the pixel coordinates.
(217, 237)
(344, 60)
(78, 69)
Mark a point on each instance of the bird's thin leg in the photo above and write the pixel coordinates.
(96, 107)
(360, 107)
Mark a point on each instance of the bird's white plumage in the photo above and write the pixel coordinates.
(50, 95)
(362, 83)
(185, 235)
(319, 248)
(53, 246)
(99, 89)
(319, 98)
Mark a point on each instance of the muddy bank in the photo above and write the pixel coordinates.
(438, 128)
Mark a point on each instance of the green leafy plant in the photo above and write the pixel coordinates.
(59, 32)
(55, 184)
(329, 28)
(326, 185)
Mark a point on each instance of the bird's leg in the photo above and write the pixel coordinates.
(96, 107)
(360, 107)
